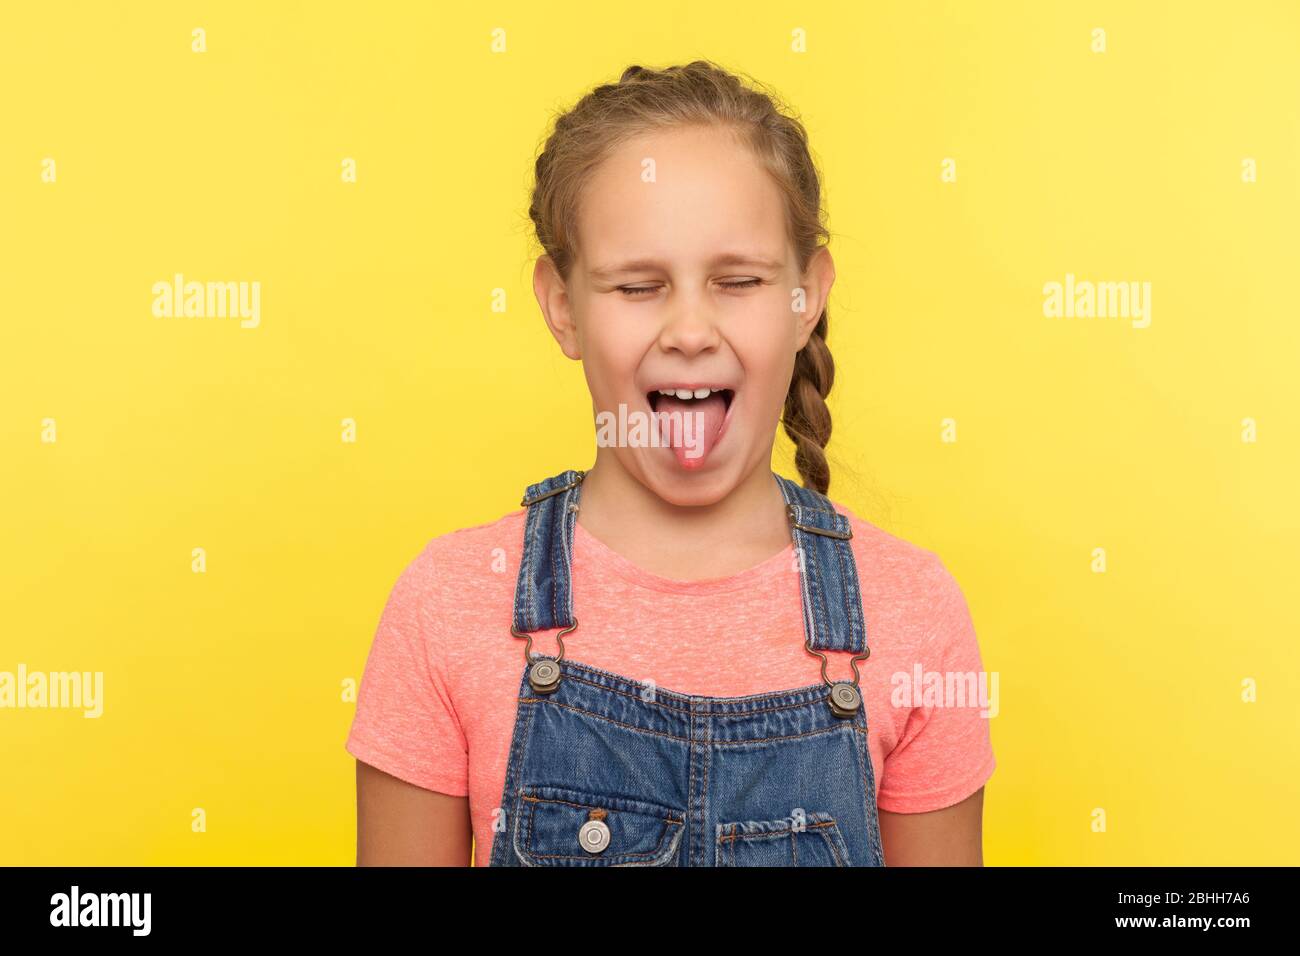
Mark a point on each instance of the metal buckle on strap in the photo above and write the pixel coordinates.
(543, 672)
(845, 698)
(554, 491)
(794, 520)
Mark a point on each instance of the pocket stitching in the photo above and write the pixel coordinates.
(672, 825)
(826, 824)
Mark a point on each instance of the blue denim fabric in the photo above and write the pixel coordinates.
(772, 779)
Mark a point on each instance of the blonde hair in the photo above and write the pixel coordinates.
(699, 93)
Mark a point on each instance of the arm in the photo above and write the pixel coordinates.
(952, 836)
(400, 824)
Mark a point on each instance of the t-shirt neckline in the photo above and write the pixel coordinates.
(610, 560)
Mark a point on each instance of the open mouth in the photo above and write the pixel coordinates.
(691, 419)
(686, 398)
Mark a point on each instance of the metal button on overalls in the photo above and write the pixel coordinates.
(544, 676)
(845, 700)
(593, 836)
(778, 778)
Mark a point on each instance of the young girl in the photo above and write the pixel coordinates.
(676, 657)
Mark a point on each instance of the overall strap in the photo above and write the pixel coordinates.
(543, 593)
(832, 601)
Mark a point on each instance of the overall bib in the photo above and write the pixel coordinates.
(605, 770)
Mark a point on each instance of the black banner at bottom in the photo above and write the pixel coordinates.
(924, 905)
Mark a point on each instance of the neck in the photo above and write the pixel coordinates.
(686, 542)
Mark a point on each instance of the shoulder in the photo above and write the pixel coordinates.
(909, 583)
(457, 566)
(884, 556)
(508, 530)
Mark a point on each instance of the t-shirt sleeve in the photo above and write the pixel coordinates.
(945, 752)
(405, 723)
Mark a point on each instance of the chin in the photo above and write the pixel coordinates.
(689, 488)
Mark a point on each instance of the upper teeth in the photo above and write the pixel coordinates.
(687, 393)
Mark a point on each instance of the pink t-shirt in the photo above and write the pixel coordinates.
(437, 701)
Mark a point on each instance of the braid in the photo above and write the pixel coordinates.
(807, 419)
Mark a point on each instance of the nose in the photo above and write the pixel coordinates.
(689, 327)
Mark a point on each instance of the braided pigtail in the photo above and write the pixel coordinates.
(807, 419)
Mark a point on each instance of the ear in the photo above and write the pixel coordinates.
(816, 284)
(553, 298)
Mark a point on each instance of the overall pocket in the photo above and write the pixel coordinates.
(556, 826)
(815, 840)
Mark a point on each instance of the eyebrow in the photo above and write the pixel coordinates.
(645, 265)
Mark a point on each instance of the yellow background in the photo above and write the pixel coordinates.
(1119, 690)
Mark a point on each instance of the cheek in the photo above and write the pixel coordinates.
(610, 362)
(768, 361)
(776, 383)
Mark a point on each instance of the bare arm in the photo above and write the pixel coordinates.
(952, 836)
(400, 824)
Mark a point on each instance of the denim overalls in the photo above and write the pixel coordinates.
(605, 770)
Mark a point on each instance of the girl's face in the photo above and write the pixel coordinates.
(685, 280)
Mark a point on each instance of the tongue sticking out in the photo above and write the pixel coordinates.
(690, 426)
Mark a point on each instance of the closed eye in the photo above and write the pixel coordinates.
(632, 292)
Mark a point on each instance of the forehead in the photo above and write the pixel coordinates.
(680, 195)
